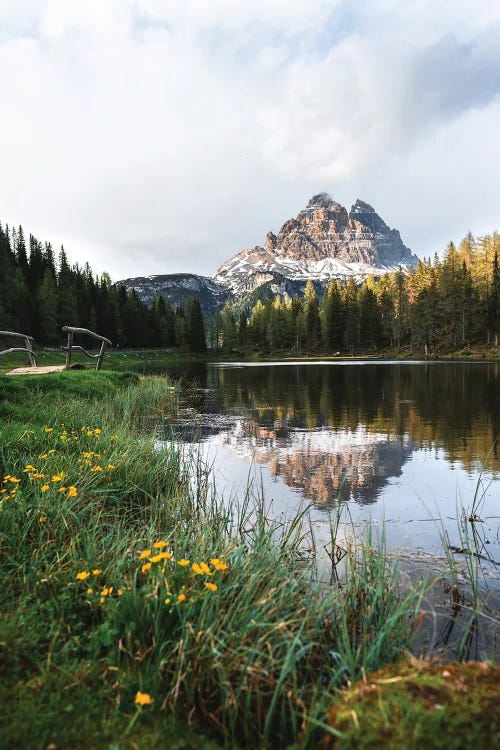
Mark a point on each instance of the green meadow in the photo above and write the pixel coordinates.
(141, 610)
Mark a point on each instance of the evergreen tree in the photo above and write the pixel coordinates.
(312, 317)
(351, 316)
(242, 329)
(47, 306)
(494, 322)
(332, 318)
(229, 332)
(370, 319)
(195, 327)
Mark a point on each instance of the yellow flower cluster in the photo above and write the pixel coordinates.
(9, 493)
(57, 480)
(196, 568)
(102, 593)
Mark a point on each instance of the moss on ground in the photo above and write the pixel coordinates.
(420, 705)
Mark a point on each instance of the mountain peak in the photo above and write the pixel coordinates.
(323, 242)
(321, 200)
(361, 207)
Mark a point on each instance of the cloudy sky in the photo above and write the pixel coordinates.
(158, 136)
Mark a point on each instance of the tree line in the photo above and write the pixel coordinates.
(40, 293)
(449, 303)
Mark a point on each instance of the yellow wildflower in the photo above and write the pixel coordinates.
(114, 437)
(43, 456)
(183, 562)
(52, 450)
(28, 469)
(73, 492)
(159, 545)
(210, 586)
(145, 553)
(57, 478)
(120, 592)
(96, 572)
(111, 467)
(49, 429)
(201, 569)
(45, 487)
(62, 489)
(146, 567)
(14, 480)
(143, 699)
(82, 575)
(218, 564)
(96, 468)
(156, 558)
(181, 598)
(42, 519)
(90, 591)
(97, 431)
(167, 601)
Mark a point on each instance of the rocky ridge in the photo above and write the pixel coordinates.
(322, 243)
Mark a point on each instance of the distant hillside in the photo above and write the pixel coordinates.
(177, 286)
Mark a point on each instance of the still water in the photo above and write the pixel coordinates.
(407, 447)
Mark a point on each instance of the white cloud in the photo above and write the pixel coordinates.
(157, 136)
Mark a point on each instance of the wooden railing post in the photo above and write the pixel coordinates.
(68, 352)
(101, 356)
(30, 351)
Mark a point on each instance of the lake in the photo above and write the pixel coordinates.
(405, 446)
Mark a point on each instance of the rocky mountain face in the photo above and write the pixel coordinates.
(177, 286)
(322, 243)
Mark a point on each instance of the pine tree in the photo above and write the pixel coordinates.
(312, 317)
(195, 327)
(47, 306)
(242, 329)
(370, 319)
(494, 322)
(229, 332)
(332, 318)
(351, 315)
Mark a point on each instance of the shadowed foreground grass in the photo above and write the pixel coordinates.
(138, 611)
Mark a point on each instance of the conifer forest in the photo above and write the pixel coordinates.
(447, 303)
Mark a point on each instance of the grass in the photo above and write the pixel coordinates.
(144, 358)
(119, 577)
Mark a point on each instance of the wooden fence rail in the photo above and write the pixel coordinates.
(26, 348)
(70, 330)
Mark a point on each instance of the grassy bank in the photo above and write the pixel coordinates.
(139, 611)
(137, 358)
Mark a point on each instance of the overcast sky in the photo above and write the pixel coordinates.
(159, 136)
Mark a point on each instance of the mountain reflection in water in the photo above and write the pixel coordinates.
(343, 431)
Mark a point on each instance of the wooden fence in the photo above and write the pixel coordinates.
(70, 330)
(26, 348)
